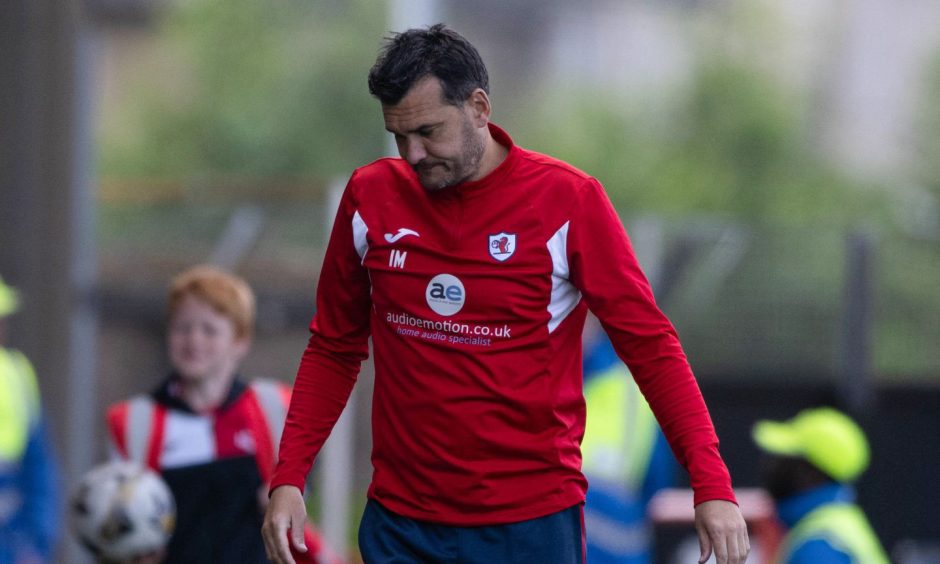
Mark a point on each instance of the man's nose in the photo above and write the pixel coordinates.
(413, 151)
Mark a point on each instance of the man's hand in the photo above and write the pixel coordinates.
(286, 514)
(721, 530)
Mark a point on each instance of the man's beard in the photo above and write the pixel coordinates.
(461, 168)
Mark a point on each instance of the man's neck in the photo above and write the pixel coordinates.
(493, 155)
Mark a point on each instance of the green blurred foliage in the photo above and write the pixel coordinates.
(908, 308)
(736, 144)
(731, 144)
(735, 139)
(278, 89)
(273, 88)
(928, 138)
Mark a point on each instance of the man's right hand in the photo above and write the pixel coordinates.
(286, 515)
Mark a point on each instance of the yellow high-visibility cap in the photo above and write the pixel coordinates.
(9, 299)
(828, 439)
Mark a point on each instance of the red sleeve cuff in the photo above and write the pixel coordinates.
(711, 494)
(287, 479)
(709, 476)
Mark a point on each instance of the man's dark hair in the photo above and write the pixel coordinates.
(438, 51)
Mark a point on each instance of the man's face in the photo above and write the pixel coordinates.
(442, 143)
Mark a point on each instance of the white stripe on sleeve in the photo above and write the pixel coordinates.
(360, 229)
(564, 295)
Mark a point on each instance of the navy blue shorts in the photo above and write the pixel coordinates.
(389, 538)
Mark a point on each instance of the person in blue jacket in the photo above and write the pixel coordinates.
(810, 464)
(29, 507)
(626, 458)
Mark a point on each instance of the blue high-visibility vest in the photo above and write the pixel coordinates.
(619, 439)
(29, 519)
(843, 526)
(19, 404)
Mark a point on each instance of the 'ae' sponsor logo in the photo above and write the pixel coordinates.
(445, 294)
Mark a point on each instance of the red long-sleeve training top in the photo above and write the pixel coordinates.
(475, 298)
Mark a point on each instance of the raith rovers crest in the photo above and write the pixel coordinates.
(502, 246)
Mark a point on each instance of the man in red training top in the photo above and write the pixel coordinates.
(472, 262)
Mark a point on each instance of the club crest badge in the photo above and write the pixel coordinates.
(502, 246)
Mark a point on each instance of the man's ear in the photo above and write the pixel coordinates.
(478, 104)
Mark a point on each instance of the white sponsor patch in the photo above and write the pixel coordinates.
(445, 294)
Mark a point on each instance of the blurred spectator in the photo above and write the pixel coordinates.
(625, 457)
(211, 435)
(811, 461)
(29, 518)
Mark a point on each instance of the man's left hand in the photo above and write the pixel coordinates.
(721, 529)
